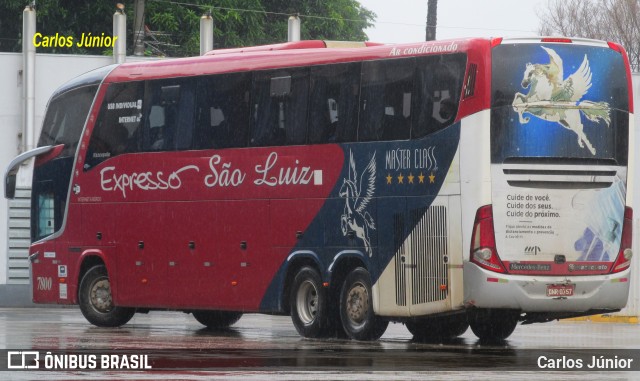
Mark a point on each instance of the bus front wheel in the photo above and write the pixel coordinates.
(493, 324)
(96, 302)
(216, 319)
(356, 308)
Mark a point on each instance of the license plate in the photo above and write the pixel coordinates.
(556, 290)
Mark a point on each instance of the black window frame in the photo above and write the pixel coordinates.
(232, 131)
(266, 129)
(328, 82)
(306, 92)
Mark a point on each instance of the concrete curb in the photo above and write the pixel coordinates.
(16, 295)
(606, 319)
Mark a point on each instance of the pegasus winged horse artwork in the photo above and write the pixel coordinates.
(553, 98)
(358, 193)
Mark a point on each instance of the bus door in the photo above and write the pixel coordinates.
(45, 261)
(48, 257)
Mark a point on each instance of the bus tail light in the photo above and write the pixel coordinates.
(496, 41)
(483, 242)
(625, 254)
(557, 40)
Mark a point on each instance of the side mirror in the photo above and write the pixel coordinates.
(12, 170)
(10, 184)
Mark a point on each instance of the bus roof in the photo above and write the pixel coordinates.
(293, 54)
(308, 44)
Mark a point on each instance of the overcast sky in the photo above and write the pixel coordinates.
(405, 20)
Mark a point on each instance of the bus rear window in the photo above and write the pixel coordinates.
(559, 101)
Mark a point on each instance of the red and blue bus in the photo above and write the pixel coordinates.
(480, 182)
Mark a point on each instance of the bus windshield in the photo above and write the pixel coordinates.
(65, 119)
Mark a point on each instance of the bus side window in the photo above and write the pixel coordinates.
(168, 115)
(387, 90)
(185, 124)
(222, 111)
(279, 101)
(156, 123)
(438, 89)
(333, 103)
(117, 121)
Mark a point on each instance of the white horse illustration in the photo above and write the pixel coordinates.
(553, 98)
(358, 194)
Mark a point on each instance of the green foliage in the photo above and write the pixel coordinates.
(175, 25)
(65, 17)
(322, 20)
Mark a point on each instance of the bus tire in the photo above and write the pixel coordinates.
(356, 308)
(438, 328)
(216, 319)
(493, 325)
(308, 301)
(96, 301)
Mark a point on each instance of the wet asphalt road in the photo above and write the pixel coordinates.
(261, 347)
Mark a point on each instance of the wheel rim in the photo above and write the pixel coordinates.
(100, 295)
(307, 302)
(357, 307)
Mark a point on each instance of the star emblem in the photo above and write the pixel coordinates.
(410, 177)
(432, 178)
(421, 178)
(400, 179)
(389, 178)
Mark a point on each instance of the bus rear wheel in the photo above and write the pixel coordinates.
(216, 319)
(438, 328)
(493, 324)
(96, 302)
(356, 308)
(308, 301)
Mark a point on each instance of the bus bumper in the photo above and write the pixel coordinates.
(487, 289)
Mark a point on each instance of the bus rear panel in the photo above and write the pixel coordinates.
(556, 238)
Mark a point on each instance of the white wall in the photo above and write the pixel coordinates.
(10, 120)
(52, 70)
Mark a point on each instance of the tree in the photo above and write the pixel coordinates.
(174, 26)
(65, 17)
(610, 20)
(322, 20)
